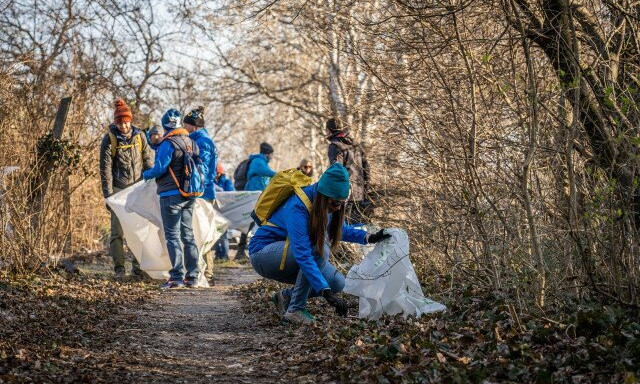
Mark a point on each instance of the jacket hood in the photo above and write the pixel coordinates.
(202, 132)
(260, 155)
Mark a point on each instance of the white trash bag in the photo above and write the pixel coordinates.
(138, 209)
(386, 282)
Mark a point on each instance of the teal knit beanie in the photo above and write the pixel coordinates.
(334, 182)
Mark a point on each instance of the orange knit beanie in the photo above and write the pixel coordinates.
(122, 114)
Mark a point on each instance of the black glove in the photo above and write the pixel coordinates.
(339, 304)
(378, 237)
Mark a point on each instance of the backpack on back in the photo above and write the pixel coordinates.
(192, 185)
(281, 187)
(137, 142)
(240, 175)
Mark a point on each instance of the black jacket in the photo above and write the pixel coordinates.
(351, 155)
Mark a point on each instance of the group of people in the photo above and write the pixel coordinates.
(294, 248)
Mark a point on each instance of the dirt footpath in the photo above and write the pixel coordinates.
(201, 336)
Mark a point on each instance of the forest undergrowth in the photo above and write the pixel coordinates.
(480, 339)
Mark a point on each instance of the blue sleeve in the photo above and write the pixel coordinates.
(163, 159)
(205, 156)
(227, 185)
(261, 168)
(352, 235)
(300, 244)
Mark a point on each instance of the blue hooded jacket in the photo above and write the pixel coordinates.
(259, 173)
(209, 156)
(292, 220)
(164, 154)
(224, 183)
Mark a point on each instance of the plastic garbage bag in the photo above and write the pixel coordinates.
(138, 209)
(386, 282)
(237, 207)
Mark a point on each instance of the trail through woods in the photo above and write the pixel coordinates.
(199, 336)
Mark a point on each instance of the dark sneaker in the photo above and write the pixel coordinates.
(119, 275)
(299, 317)
(170, 284)
(281, 301)
(137, 275)
(190, 283)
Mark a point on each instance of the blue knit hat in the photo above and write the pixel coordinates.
(172, 119)
(334, 182)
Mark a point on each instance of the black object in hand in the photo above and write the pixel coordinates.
(378, 237)
(339, 304)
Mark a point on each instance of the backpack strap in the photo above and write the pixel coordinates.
(307, 203)
(137, 142)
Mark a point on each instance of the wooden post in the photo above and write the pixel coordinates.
(40, 180)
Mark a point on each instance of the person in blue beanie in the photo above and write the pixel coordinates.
(176, 210)
(312, 234)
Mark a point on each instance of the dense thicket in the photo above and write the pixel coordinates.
(502, 134)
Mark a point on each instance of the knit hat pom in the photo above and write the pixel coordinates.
(120, 103)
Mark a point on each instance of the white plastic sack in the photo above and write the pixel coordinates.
(237, 207)
(386, 282)
(138, 209)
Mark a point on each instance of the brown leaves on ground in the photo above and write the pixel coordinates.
(479, 340)
(55, 329)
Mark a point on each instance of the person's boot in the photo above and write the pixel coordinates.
(120, 275)
(241, 255)
(299, 317)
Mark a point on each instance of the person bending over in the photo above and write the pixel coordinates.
(312, 234)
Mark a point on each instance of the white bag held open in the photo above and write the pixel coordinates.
(386, 282)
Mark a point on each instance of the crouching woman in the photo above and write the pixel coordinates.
(312, 234)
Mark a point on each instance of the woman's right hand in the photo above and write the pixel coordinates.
(377, 237)
(338, 303)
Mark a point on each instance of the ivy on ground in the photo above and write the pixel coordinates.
(479, 340)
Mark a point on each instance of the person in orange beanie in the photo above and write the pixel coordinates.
(124, 155)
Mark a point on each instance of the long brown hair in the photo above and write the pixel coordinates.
(318, 222)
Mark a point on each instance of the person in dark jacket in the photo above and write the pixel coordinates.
(313, 228)
(176, 210)
(258, 176)
(343, 150)
(225, 184)
(124, 155)
(194, 124)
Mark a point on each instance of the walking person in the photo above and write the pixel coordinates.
(176, 210)
(344, 150)
(294, 247)
(124, 155)
(194, 124)
(258, 175)
(155, 136)
(225, 184)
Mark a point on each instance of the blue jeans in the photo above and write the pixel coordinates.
(266, 263)
(222, 247)
(177, 217)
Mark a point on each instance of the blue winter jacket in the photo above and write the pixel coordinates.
(209, 156)
(224, 183)
(292, 220)
(259, 173)
(164, 153)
